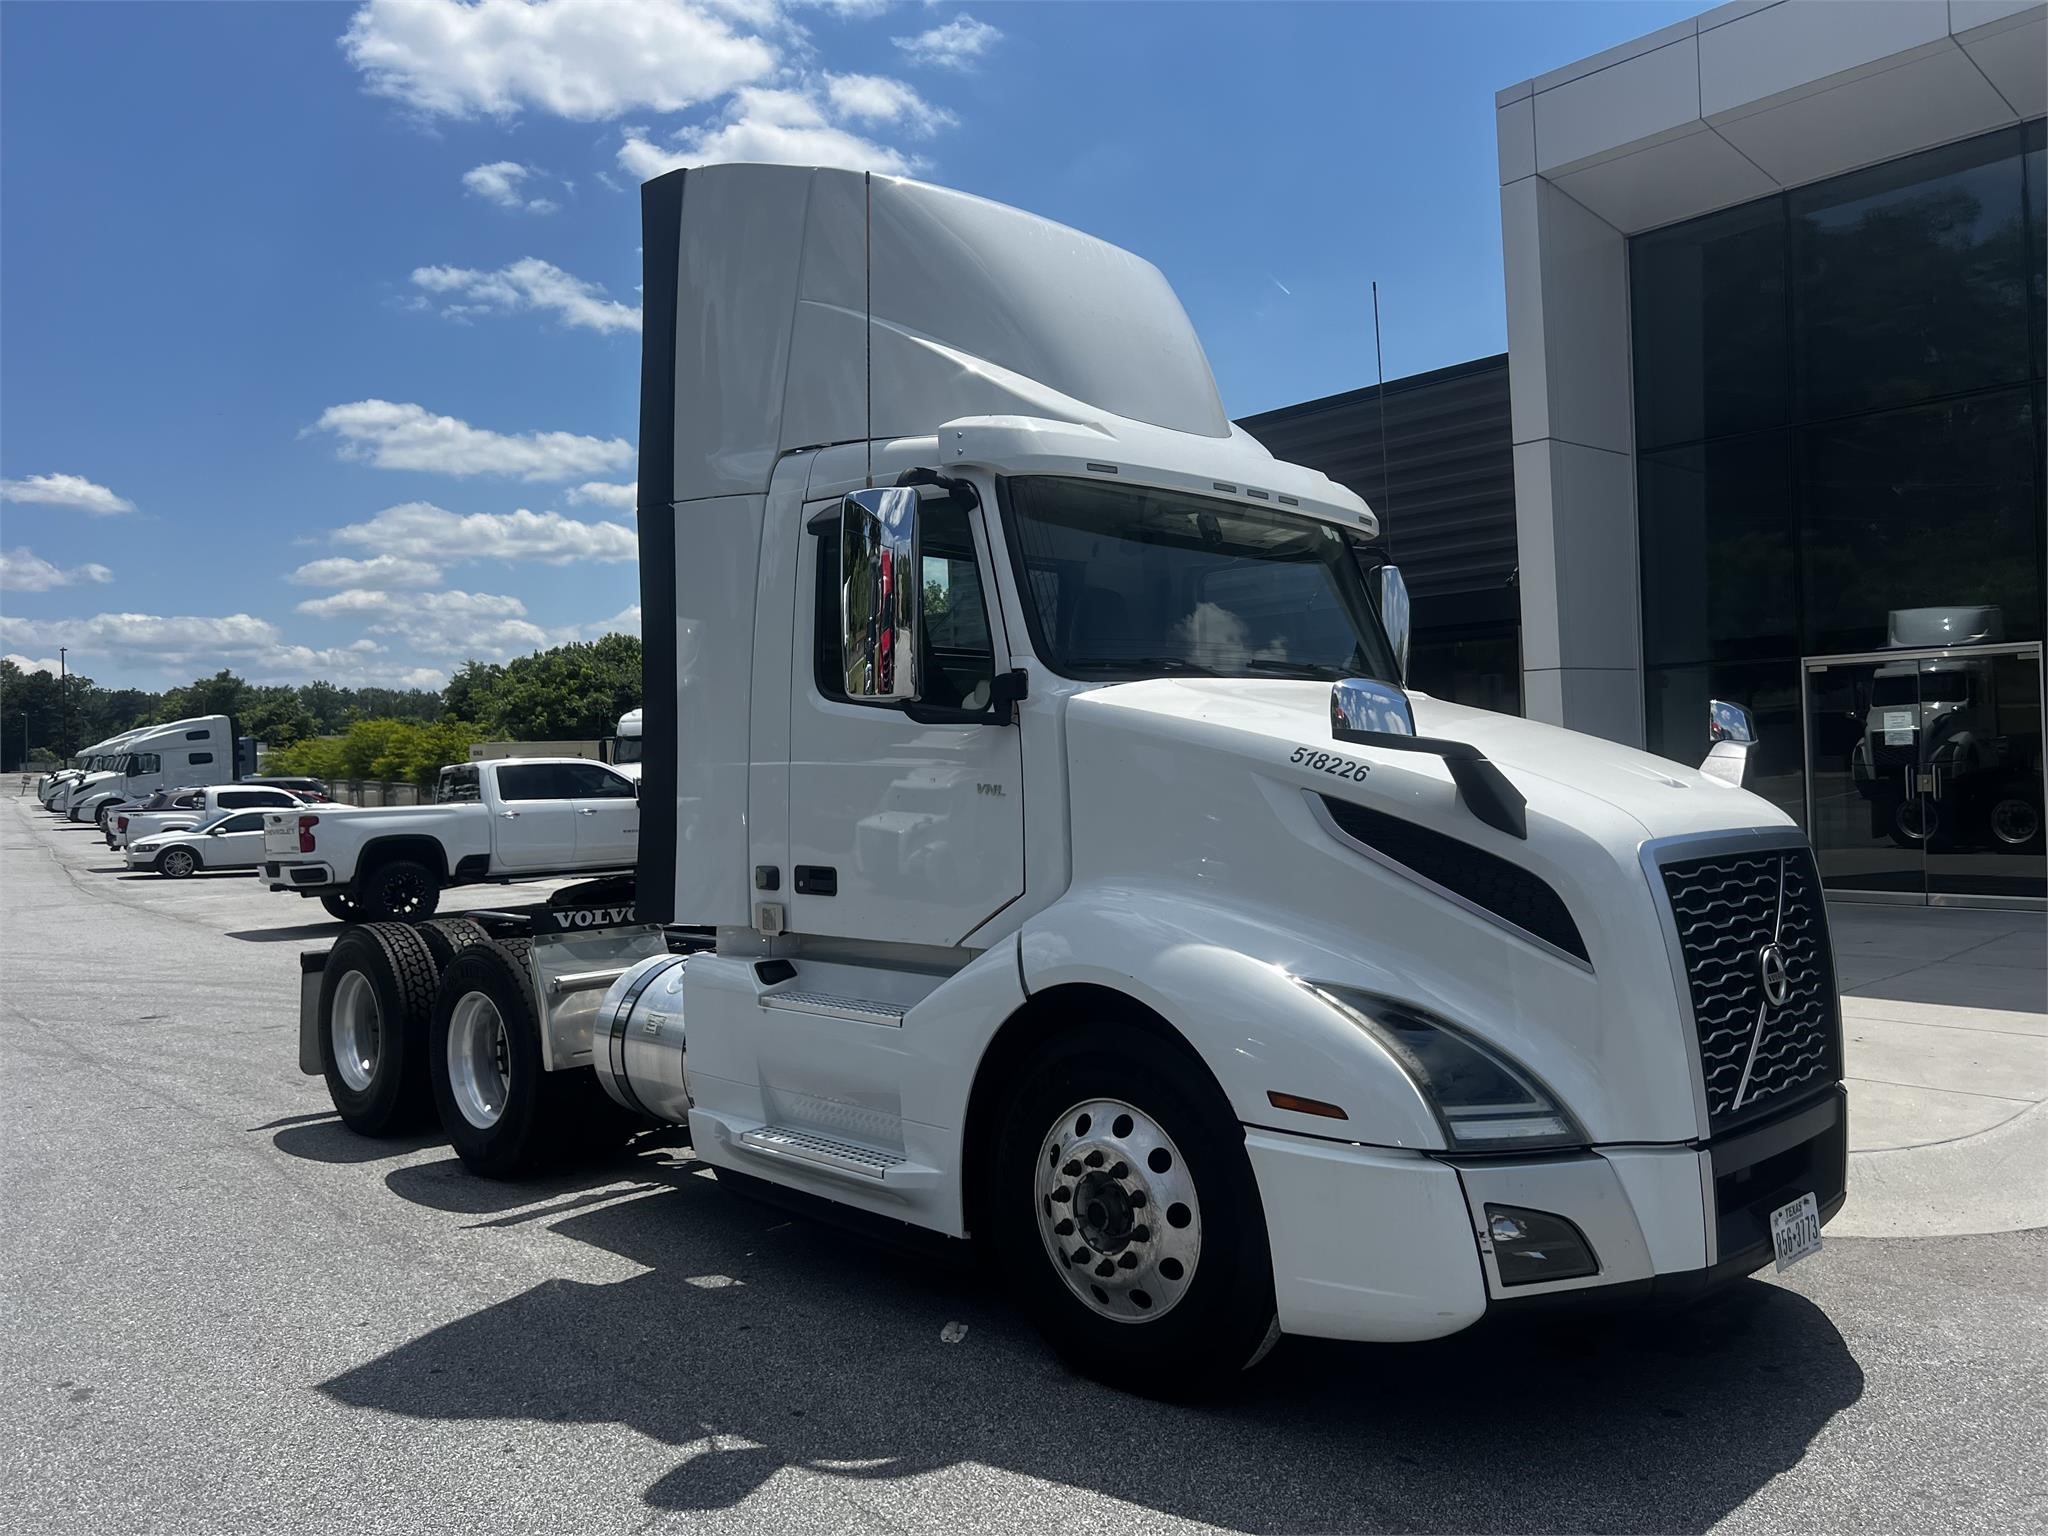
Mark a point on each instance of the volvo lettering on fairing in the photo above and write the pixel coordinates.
(1039, 845)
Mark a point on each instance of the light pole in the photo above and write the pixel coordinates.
(63, 707)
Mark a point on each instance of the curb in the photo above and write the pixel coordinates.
(1994, 1181)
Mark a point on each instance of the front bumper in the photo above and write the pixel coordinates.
(1383, 1245)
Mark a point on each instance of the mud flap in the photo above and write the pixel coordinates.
(310, 968)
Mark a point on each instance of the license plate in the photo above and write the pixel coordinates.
(1795, 1231)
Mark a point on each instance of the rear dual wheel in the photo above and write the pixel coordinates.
(376, 996)
(506, 1115)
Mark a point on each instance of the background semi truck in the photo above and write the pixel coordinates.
(1038, 845)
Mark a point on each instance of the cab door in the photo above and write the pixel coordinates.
(534, 824)
(607, 816)
(900, 830)
(236, 843)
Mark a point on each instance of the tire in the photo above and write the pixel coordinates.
(379, 979)
(177, 863)
(342, 906)
(2014, 820)
(446, 937)
(399, 892)
(1186, 1304)
(103, 818)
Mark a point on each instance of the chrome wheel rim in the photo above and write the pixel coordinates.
(1117, 1210)
(179, 862)
(479, 1060)
(2015, 821)
(357, 1029)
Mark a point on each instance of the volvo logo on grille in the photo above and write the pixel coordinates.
(1777, 978)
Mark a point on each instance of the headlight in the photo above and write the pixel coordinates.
(1485, 1102)
(143, 847)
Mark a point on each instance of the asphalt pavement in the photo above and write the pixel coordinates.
(221, 1311)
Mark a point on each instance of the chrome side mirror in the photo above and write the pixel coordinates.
(881, 594)
(1395, 615)
(1732, 730)
(1729, 722)
(1364, 704)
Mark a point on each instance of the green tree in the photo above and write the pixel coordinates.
(572, 692)
(221, 694)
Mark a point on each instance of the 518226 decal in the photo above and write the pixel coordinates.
(1329, 762)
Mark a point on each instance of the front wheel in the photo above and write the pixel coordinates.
(178, 863)
(1122, 1207)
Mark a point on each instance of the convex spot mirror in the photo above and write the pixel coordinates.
(881, 594)
(1732, 756)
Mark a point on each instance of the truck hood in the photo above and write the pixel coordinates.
(1562, 773)
(1229, 795)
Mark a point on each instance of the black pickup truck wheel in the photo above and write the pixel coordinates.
(399, 892)
(342, 907)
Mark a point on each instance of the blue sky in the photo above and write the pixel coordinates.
(320, 320)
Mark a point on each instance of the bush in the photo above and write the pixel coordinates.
(402, 751)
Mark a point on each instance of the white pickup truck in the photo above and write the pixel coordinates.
(491, 821)
(180, 810)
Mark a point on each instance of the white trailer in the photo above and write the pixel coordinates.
(1039, 845)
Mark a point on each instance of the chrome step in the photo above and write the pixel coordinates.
(861, 1010)
(821, 1151)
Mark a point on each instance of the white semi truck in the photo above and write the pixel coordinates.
(92, 760)
(1039, 846)
(627, 746)
(200, 750)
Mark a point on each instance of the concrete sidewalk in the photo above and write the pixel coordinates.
(1945, 1014)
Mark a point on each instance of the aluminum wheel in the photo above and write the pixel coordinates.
(2014, 821)
(1117, 1210)
(357, 1030)
(479, 1060)
(178, 862)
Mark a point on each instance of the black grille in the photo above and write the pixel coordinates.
(1505, 889)
(1728, 909)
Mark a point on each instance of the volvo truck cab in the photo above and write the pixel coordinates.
(193, 751)
(1040, 845)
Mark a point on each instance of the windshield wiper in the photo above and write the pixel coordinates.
(1308, 671)
(1163, 665)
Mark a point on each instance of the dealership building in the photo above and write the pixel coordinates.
(1772, 427)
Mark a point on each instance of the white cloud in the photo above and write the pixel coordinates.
(878, 99)
(446, 625)
(959, 44)
(419, 530)
(625, 497)
(502, 182)
(22, 570)
(409, 436)
(625, 622)
(529, 283)
(30, 664)
(378, 571)
(157, 643)
(582, 59)
(774, 127)
(72, 491)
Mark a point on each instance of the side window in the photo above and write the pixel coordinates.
(195, 735)
(144, 762)
(248, 821)
(195, 758)
(532, 781)
(188, 801)
(457, 785)
(235, 799)
(958, 661)
(588, 781)
(273, 797)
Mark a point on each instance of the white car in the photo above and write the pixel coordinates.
(181, 809)
(233, 842)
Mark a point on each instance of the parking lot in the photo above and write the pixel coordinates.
(223, 1311)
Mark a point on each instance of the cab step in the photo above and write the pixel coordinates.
(859, 1010)
(797, 1146)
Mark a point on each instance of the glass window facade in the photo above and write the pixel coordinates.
(1838, 396)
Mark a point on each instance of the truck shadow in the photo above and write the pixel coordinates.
(330, 929)
(754, 1343)
(326, 1140)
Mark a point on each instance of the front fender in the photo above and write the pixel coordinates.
(1226, 982)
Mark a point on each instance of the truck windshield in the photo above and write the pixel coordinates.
(626, 750)
(1128, 582)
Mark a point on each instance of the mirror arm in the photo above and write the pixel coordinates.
(961, 491)
(1481, 785)
(1005, 692)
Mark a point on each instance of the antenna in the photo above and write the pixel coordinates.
(1379, 358)
(867, 330)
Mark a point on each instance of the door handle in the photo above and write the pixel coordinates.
(584, 810)
(508, 815)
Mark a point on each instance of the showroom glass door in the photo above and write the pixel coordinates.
(1924, 774)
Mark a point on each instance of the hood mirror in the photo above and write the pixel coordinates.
(881, 594)
(1395, 615)
(1369, 713)
(1732, 731)
(1367, 704)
